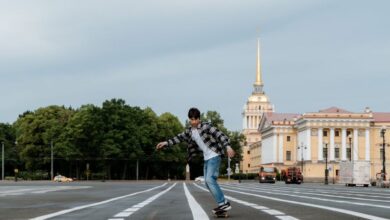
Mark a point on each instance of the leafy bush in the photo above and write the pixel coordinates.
(37, 175)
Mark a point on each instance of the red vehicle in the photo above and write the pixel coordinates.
(292, 175)
(267, 175)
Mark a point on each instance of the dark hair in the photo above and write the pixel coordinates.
(194, 113)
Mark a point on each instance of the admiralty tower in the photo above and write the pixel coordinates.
(257, 104)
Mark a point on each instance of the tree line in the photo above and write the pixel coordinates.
(114, 141)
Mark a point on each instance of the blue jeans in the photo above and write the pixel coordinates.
(210, 172)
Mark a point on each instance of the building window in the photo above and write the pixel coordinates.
(288, 155)
(337, 133)
(337, 153)
(249, 165)
(325, 133)
(349, 153)
(288, 138)
(348, 133)
(249, 152)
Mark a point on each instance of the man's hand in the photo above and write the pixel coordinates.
(161, 145)
(230, 152)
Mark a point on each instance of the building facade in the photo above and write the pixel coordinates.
(311, 140)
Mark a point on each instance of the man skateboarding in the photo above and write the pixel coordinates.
(212, 142)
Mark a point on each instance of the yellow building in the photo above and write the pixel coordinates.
(311, 140)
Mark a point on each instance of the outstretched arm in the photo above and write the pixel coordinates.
(161, 145)
(175, 140)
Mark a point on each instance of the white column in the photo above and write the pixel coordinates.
(355, 144)
(331, 153)
(308, 143)
(368, 144)
(320, 144)
(247, 122)
(255, 121)
(343, 144)
(280, 158)
(274, 145)
(244, 122)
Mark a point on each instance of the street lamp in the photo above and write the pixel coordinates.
(350, 146)
(2, 160)
(383, 131)
(51, 162)
(302, 148)
(326, 164)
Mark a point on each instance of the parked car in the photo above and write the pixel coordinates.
(199, 179)
(60, 178)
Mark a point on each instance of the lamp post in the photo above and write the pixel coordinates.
(301, 148)
(51, 162)
(2, 160)
(326, 164)
(350, 146)
(383, 131)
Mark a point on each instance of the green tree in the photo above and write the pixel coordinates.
(11, 158)
(36, 130)
(81, 139)
(172, 160)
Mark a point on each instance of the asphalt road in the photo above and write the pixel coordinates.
(189, 200)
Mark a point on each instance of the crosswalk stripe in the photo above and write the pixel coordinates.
(196, 209)
(136, 207)
(93, 204)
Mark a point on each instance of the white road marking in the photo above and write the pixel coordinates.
(136, 207)
(362, 193)
(330, 194)
(344, 211)
(267, 210)
(285, 217)
(196, 209)
(268, 191)
(61, 188)
(273, 212)
(93, 204)
(39, 190)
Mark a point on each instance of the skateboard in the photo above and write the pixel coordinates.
(221, 214)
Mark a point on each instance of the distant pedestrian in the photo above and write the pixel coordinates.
(207, 138)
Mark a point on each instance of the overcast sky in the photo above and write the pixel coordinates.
(171, 55)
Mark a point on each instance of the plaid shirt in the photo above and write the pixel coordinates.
(211, 136)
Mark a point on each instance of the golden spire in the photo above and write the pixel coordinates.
(259, 80)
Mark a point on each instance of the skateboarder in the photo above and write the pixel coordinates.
(212, 142)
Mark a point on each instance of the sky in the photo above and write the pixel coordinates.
(172, 55)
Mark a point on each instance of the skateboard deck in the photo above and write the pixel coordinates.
(221, 214)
